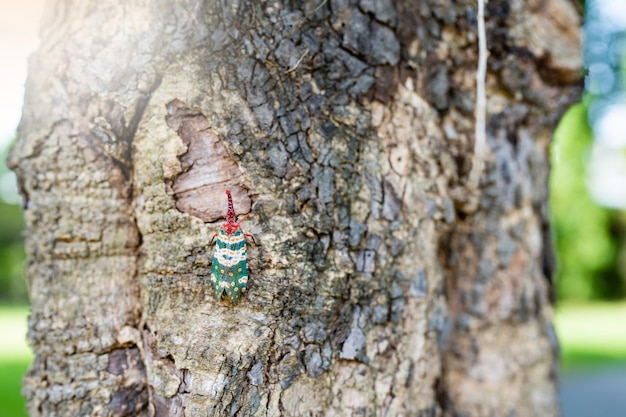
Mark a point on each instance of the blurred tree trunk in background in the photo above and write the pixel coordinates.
(347, 128)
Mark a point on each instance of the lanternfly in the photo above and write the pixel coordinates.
(230, 261)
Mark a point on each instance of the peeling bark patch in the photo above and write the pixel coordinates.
(314, 361)
(288, 370)
(382, 10)
(121, 360)
(438, 86)
(419, 284)
(355, 344)
(128, 401)
(164, 379)
(167, 407)
(255, 375)
(206, 167)
(363, 35)
(132, 397)
(392, 203)
(386, 83)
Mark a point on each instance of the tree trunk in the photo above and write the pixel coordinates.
(381, 283)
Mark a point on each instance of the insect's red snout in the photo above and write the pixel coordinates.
(231, 217)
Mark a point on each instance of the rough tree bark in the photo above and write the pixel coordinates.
(347, 128)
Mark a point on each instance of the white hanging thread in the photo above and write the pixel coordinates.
(480, 133)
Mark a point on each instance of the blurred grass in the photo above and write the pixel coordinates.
(12, 403)
(15, 356)
(591, 334)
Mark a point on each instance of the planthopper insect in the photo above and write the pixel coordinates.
(230, 261)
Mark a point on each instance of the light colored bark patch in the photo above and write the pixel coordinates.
(206, 168)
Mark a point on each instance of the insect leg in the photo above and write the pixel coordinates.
(251, 236)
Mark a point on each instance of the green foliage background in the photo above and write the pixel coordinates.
(12, 255)
(589, 238)
(12, 287)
